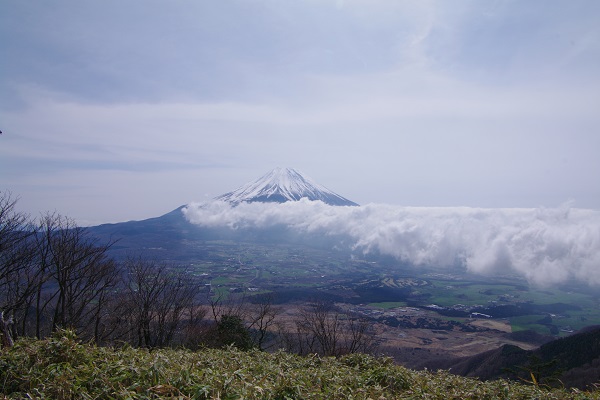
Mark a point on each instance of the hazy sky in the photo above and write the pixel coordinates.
(115, 110)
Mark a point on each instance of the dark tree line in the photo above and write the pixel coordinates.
(54, 275)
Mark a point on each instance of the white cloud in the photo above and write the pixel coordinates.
(546, 246)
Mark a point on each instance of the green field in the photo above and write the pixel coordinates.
(284, 269)
(388, 304)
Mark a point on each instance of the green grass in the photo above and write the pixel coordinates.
(386, 305)
(63, 368)
(448, 293)
(220, 280)
(525, 322)
(550, 296)
(575, 320)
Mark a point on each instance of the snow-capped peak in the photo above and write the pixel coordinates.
(281, 185)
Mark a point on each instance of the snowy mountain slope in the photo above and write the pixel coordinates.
(281, 185)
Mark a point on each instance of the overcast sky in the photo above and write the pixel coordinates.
(116, 110)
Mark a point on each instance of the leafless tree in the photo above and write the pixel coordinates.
(77, 275)
(220, 305)
(15, 259)
(196, 327)
(15, 229)
(319, 320)
(295, 338)
(17, 293)
(158, 297)
(262, 316)
(257, 317)
(52, 275)
(322, 329)
(359, 336)
(225, 312)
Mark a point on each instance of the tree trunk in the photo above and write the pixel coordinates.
(5, 331)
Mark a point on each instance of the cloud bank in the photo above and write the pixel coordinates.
(546, 246)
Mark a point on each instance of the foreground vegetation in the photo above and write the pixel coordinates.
(61, 367)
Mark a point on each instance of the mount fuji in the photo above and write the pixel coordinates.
(172, 237)
(281, 185)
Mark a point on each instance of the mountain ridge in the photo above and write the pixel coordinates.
(574, 359)
(172, 235)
